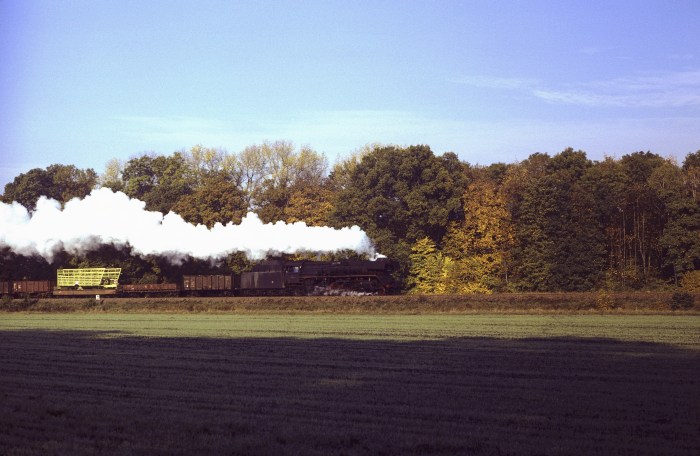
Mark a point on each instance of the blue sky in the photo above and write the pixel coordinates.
(82, 82)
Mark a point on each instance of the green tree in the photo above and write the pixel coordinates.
(560, 246)
(217, 200)
(516, 179)
(312, 204)
(607, 183)
(28, 187)
(399, 196)
(340, 176)
(680, 239)
(70, 182)
(158, 180)
(691, 173)
(642, 216)
(60, 182)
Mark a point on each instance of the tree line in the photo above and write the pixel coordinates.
(547, 223)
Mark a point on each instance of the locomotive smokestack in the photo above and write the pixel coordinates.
(106, 217)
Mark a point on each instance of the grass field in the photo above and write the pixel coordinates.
(138, 383)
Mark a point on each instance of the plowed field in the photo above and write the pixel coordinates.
(315, 385)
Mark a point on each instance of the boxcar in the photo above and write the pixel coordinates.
(5, 287)
(32, 287)
(209, 284)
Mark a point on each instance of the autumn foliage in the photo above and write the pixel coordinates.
(547, 223)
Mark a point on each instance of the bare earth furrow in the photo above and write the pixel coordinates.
(68, 392)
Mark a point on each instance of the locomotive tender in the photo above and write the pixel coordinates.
(275, 277)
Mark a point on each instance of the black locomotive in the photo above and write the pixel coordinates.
(318, 278)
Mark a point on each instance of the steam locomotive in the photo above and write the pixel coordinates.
(275, 277)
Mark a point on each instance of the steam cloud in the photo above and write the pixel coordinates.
(106, 217)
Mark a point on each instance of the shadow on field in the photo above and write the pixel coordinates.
(104, 393)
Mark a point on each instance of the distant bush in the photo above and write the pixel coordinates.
(91, 303)
(682, 300)
(604, 300)
(8, 304)
(5, 302)
(691, 281)
(27, 302)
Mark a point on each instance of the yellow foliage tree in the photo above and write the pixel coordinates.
(479, 244)
(311, 204)
(691, 281)
(430, 271)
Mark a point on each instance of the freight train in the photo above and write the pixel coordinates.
(276, 277)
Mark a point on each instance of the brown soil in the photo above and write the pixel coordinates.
(83, 393)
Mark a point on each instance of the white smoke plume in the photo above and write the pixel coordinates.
(106, 217)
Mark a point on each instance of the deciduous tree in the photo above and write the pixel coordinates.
(217, 200)
(480, 244)
(158, 180)
(112, 177)
(203, 162)
(642, 216)
(680, 239)
(60, 182)
(559, 243)
(429, 270)
(399, 196)
(289, 178)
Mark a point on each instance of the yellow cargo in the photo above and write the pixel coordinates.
(78, 279)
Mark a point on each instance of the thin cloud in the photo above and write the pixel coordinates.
(669, 89)
(661, 99)
(651, 90)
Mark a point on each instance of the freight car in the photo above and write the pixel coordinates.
(5, 287)
(210, 285)
(69, 282)
(149, 289)
(87, 281)
(267, 278)
(32, 287)
(191, 285)
(19, 288)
